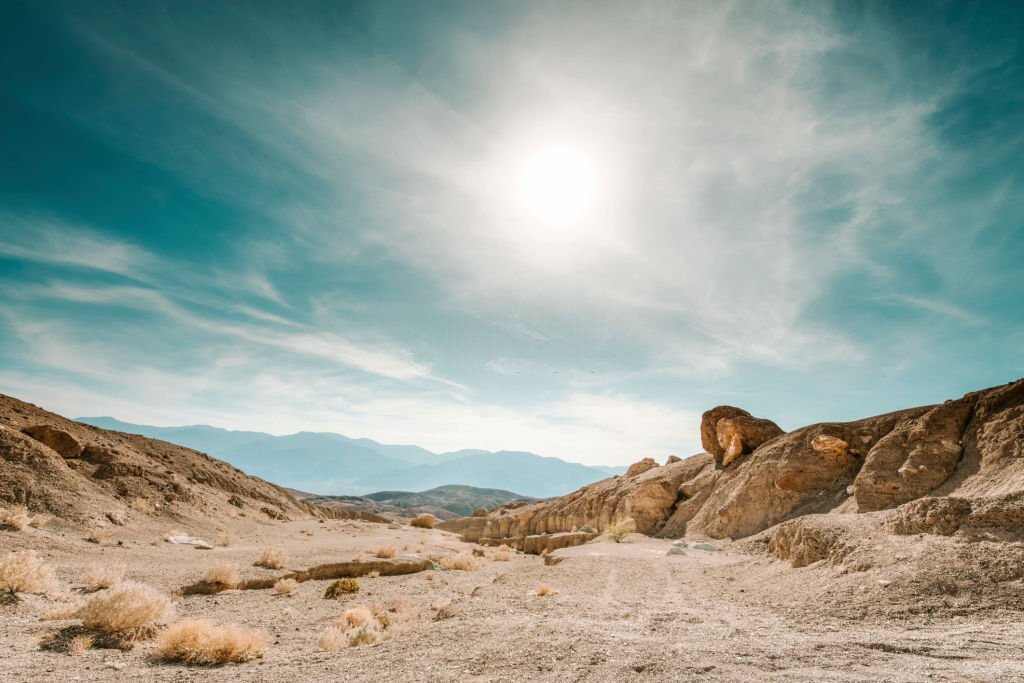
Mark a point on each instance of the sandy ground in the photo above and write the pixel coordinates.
(623, 612)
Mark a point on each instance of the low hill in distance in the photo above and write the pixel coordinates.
(444, 502)
(331, 464)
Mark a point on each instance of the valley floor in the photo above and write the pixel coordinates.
(623, 612)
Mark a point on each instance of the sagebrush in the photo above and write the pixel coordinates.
(202, 643)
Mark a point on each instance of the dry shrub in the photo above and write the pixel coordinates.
(16, 517)
(332, 639)
(40, 520)
(618, 531)
(80, 644)
(385, 552)
(424, 521)
(25, 572)
(545, 589)
(340, 588)
(223, 574)
(99, 535)
(364, 625)
(200, 642)
(99, 576)
(462, 561)
(357, 616)
(125, 613)
(226, 539)
(500, 555)
(286, 586)
(271, 558)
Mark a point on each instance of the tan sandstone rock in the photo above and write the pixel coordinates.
(742, 434)
(57, 439)
(641, 467)
(709, 429)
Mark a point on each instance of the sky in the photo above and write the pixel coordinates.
(567, 228)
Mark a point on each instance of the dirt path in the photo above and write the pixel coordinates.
(624, 612)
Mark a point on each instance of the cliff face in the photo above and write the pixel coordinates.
(968, 448)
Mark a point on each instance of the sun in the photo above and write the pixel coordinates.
(556, 185)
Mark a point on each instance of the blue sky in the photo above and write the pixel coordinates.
(286, 216)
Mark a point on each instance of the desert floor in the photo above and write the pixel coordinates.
(622, 612)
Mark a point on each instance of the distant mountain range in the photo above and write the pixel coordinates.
(331, 464)
(444, 502)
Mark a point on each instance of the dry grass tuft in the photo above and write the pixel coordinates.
(200, 642)
(617, 532)
(424, 521)
(462, 561)
(545, 589)
(226, 539)
(25, 572)
(80, 644)
(16, 518)
(100, 535)
(332, 639)
(125, 613)
(357, 616)
(99, 576)
(385, 552)
(272, 558)
(286, 586)
(222, 574)
(364, 625)
(341, 588)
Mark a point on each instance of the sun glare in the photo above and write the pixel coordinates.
(556, 185)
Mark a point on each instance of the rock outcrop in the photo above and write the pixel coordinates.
(641, 467)
(727, 432)
(957, 467)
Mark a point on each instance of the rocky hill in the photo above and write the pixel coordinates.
(84, 474)
(444, 502)
(952, 468)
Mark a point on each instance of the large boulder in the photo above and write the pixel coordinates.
(743, 434)
(57, 439)
(641, 467)
(709, 429)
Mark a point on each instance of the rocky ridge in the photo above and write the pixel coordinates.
(91, 476)
(952, 468)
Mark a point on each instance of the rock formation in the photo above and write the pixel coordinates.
(727, 432)
(957, 467)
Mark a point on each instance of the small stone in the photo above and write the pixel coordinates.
(705, 546)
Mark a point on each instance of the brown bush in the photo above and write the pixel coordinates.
(424, 521)
(285, 586)
(99, 576)
(25, 572)
(271, 558)
(199, 642)
(385, 552)
(462, 561)
(364, 625)
(222, 574)
(16, 518)
(125, 613)
(341, 588)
